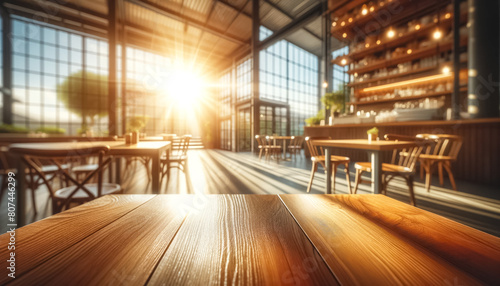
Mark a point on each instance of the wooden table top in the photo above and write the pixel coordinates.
(364, 144)
(251, 239)
(116, 147)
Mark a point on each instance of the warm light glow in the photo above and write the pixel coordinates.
(417, 27)
(367, 45)
(409, 51)
(437, 34)
(407, 82)
(447, 16)
(343, 62)
(372, 9)
(364, 10)
(378, 42)
(350, 20)
(342, 24)
(334, 24)
(355, 74)
(390, 33)
(344, 35)
(325, 84)
(184, 87)
(446, 70)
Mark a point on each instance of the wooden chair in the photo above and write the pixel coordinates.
(318, 157)
(178, 159)
(403, 164)
(266, 146)
(295, 145)
(441, 155)
(81, 191)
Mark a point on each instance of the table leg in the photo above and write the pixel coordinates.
(284, 149)
(376, 172)
(118, 170)
(21, 194)
(328, 164)
(155, 173)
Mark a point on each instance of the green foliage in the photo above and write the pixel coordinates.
(334, 100)
(374, 130)
(6, 128)
(89, 95)
(136, 123)
(315, 120)
(51, 130)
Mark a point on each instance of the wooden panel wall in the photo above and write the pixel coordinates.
(479, 158)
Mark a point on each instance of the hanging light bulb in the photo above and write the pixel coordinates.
(447, 16)
(334, 24)
(409, 51)
(446, 70)
(343, 62)
(417, 27)
(342, 24)
(325, 84)
(378, 42)
(364, 10)
(390, 33)
(344, 35)
(350, 20)
(437, 34)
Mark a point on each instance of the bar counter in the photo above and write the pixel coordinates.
(477, 161)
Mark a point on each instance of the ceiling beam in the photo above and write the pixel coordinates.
(192, 22)
(290, 16)
(293, 26)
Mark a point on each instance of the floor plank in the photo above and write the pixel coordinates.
(40, 242)
(367, 254)
(125, 252)
(252, 240)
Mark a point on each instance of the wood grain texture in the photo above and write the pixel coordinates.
(241, 239)
(362, 252)
(42, 240)
(364, 144)
(124, 252)
(470, 249)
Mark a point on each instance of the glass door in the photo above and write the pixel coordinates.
(273, 120)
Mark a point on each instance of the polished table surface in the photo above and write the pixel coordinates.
(372, 147)
(251, 239)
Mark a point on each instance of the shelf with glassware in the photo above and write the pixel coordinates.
(406, 65)
(355, 21)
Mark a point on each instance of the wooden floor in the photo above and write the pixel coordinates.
(223, 172)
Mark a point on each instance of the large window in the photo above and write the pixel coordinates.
(59, 78)
(244, 80)
(225, 110)
(289, 74)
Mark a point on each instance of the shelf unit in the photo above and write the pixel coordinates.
(402, 48)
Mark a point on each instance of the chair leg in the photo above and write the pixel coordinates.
(313, 170)
(421, 170)
(260, 153)
(450, 175)
(428, 176)
(334, 175)
(356, 180)
(440, 171)
(409, 181)
(348, 177)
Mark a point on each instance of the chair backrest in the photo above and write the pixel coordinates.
(184, 144)
(61, 156)
(259, 140)
(297, 141)
(445, 144)
(314, 150)
(407, 157)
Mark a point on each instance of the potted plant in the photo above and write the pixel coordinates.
(315, 120)
(334, 101)
(372, 134)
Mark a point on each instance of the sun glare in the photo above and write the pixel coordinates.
(184, 87)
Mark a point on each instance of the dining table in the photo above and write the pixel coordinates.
(283, 142)
(286, 239)
(118, 149)
(373, 148)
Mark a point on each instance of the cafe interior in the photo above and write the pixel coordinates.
(195, 142)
